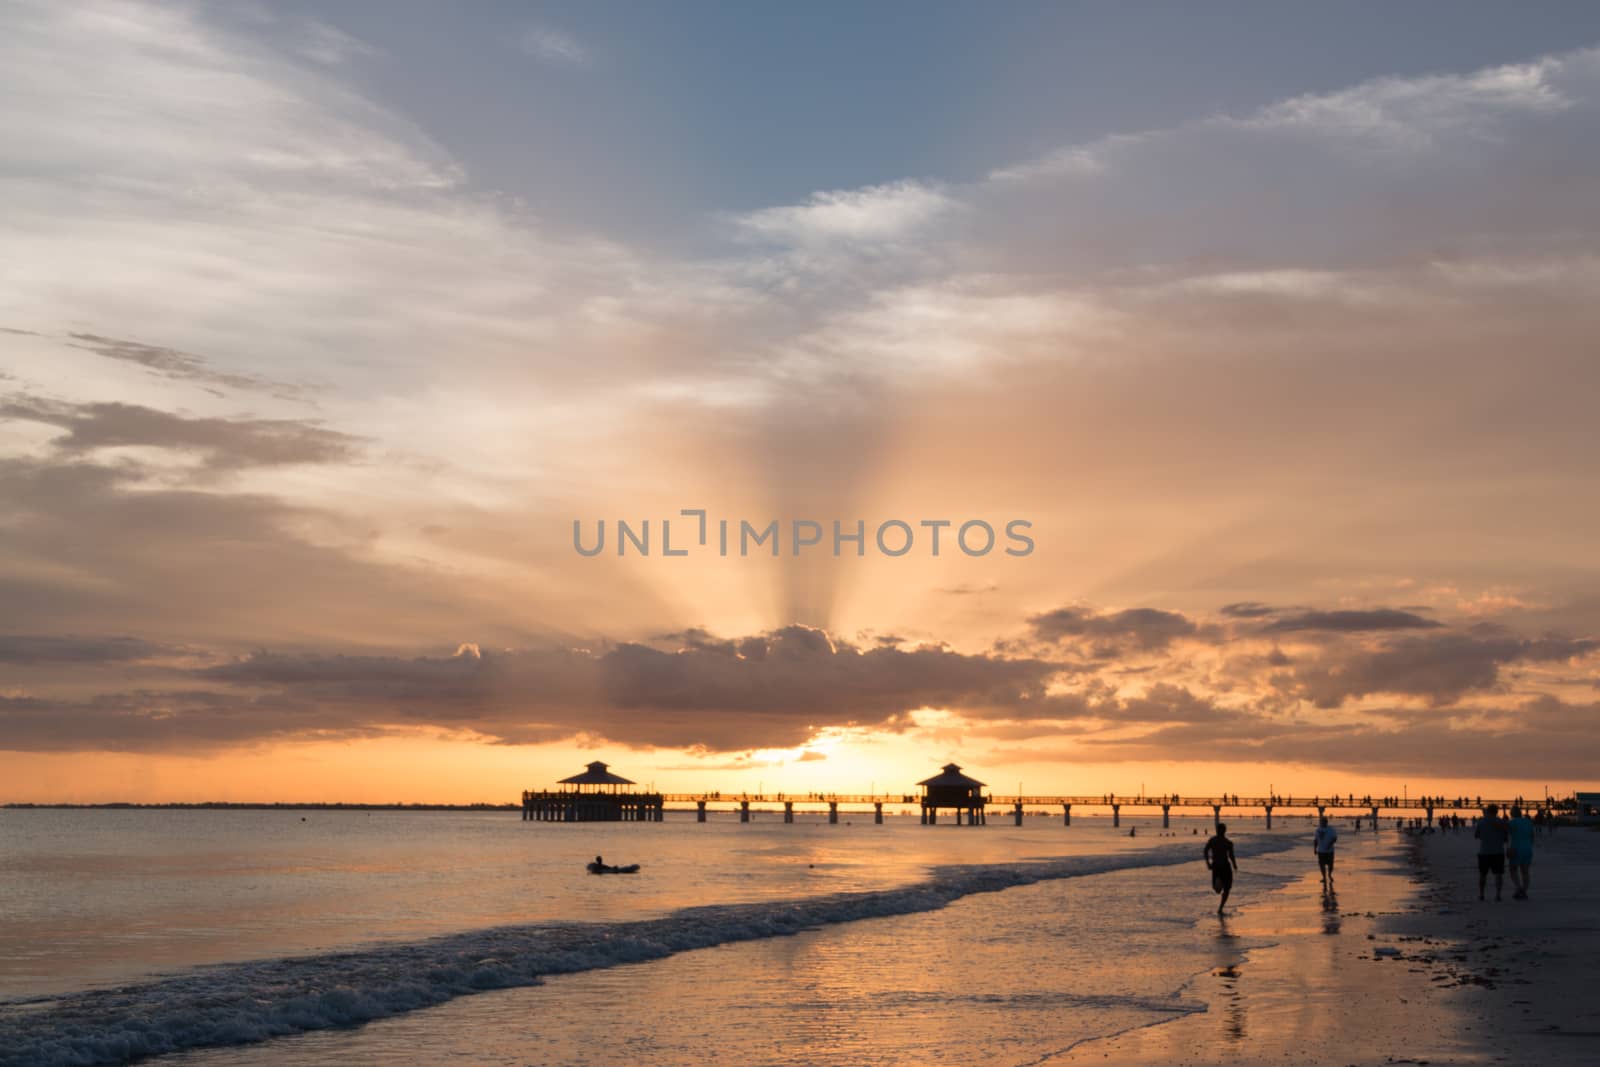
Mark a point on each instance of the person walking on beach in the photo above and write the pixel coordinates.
(1221, 863)
(1492, 833)
(1519, 852)
(1322, 843)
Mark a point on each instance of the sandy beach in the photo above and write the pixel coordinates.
(1407, 966)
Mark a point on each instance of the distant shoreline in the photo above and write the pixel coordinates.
(289, 805)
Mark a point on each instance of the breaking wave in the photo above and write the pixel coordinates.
(239, 1003)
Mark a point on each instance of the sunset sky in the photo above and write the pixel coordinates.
(321, 324)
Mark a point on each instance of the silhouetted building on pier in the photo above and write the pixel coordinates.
(952, 789)
(594, 796)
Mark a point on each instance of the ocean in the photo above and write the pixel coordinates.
(287, 937)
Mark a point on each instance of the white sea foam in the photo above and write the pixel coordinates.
(238, 1003)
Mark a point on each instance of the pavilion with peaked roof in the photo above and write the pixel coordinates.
(952, 789)
(596, 777)
(595, 795)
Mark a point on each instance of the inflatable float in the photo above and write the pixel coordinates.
(607, 868)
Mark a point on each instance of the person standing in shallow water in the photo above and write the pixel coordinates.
(1221, 862)
(1322, 843)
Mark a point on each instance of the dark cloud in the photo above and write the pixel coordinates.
(1440, 668)
(686, 689)
(1146, 628)
(225, 569)
(700, 639)
(163, 721)
(35, 648)
(180, 366)
(1353, 621)
(221, 444)
(768, 690)
(1557, 739)
(20, 333)
(1247, 609)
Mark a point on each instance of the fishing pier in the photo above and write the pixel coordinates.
(589, 798)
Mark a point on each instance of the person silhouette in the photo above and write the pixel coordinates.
(1322, 843)
(1492, 833)
(1221, 862)
(1519, 851)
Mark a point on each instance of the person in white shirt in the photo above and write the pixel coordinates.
(1323, 841)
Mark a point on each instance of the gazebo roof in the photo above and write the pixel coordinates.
(596, 775)
(950, 776)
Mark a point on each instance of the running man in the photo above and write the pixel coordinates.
(1322, 843)
(1492, 834)
(1221, 863)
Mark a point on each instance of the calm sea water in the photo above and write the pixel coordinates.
(256, 937)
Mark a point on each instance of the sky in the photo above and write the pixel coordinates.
(321, 326)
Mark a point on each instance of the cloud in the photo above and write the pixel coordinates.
(872, 213)
(179, 366)
(1555, 737)
(776, 691)
(221, 444)
(330, 45)
(1147, 628)
(162, 721)
(1439, 668)
(92, 548)
(554, 46)
(780, 689)
(1352, 621)
(44, 648)
(1248, 609)
(1386, 114)
(1409, 113)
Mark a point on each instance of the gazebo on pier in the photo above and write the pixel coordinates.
(952, 789)
(595, 795)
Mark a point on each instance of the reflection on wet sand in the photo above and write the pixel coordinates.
(1228, 972)
(1330, 910)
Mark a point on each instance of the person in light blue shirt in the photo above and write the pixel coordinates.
(1519, 852)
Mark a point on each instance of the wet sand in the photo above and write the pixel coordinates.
(1406, 967)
